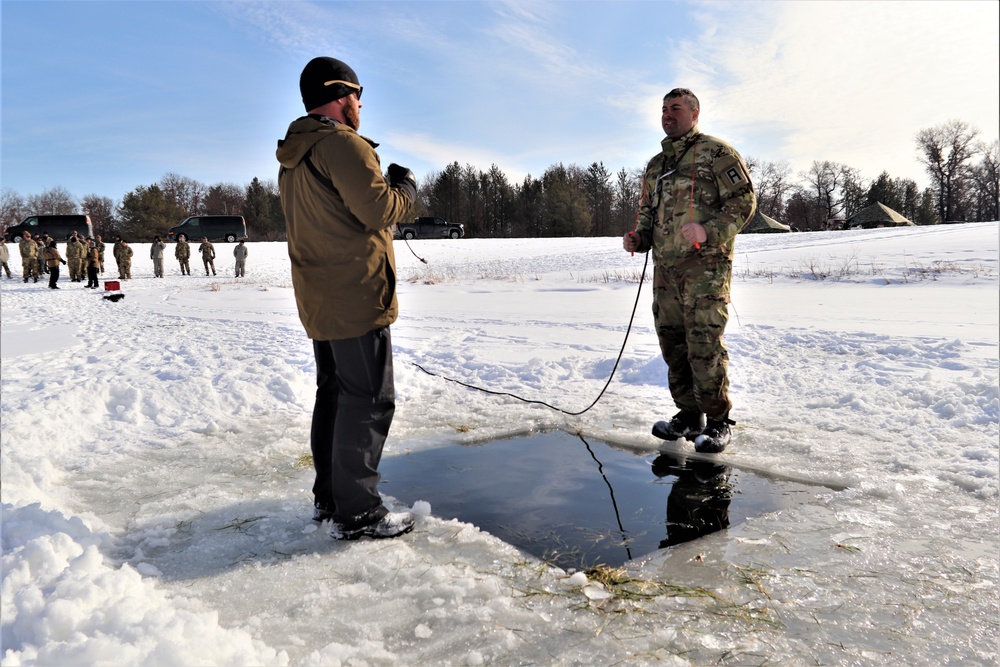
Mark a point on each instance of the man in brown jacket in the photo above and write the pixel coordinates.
(53, 259)
(339, 211)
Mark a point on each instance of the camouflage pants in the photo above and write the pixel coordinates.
(690, 313)
(29, 268)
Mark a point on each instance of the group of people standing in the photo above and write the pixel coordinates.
(182, 253)
(85, 257)
(40, 256)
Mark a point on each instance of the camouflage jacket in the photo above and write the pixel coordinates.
(207, 250)
(695, 178)
(183, 250)
(74, 249)
(28, 249)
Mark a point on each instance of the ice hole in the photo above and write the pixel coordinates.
(579, 502)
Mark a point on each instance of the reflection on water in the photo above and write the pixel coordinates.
(577, 502)
(698, 502)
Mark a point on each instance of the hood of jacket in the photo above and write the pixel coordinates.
(306, 132)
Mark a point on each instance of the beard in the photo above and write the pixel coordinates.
(352, 117)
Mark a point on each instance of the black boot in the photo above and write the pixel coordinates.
(714, 438)
(685, 424)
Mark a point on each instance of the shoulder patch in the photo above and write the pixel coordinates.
(735, 176)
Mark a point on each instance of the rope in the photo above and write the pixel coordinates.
(642, 278)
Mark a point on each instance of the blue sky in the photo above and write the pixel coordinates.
(100, 97)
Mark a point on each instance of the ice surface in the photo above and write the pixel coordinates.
(156, 507)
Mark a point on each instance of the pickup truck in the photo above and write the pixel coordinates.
(429, 227)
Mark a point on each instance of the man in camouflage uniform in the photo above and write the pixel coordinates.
(696, 197)
(75, 252)
(41, 243)
(116, 251)
(124, 258)
(183, 254)
(100, 252)
(207, 251)
(29, 257)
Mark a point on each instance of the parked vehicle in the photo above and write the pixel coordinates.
(58, 227)
(429, 227)
(228, 228)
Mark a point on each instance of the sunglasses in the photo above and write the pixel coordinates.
(357, 89)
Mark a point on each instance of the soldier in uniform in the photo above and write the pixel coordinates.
(74, 256)
(183, 254)
(240, 252)
(116, 251)
(125, 261)
(4, 256)
(207, 251)
(100, 252)
(696, 197)
(29, 257)
(156, 254)
(41, 243)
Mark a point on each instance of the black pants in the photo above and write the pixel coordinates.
(91, 276)
(53, 276)
(355, 402)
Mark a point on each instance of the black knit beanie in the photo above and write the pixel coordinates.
(323, 80)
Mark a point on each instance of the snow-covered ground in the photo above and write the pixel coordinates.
(156, 501)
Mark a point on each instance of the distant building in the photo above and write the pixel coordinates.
(877, 215)
(764, 224)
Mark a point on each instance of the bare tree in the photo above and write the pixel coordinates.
(12, 208)
(986, 182)
(223, 199)
(853, 191)
(824, 180)
(101, 211)
(772, 185)
(945, 150)
(57, 201)
(183, 193)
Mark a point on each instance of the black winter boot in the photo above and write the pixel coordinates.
(714, 438)
(685, 424)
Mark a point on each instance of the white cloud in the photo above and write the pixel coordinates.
(851, 82)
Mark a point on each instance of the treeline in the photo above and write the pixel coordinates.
(569, 200)
(150, 210)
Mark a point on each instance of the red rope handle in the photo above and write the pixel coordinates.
(694, 168)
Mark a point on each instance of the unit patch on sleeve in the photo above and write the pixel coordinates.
(735, 176)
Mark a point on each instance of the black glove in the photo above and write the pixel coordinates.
(403, 178)
(64, 262)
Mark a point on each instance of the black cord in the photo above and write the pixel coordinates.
(614, 503)
(642, 278)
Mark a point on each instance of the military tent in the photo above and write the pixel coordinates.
(764, 224)
(877, 215)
